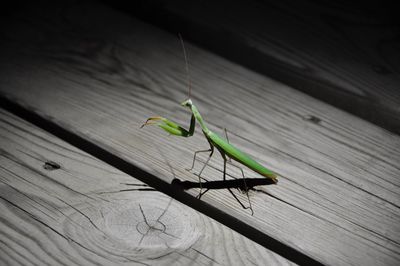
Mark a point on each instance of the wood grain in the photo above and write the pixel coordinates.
(337, 199)
(61, 206)
(343, 53)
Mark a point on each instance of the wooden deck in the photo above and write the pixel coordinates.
(84, 86)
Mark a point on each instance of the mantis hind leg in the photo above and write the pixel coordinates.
(246, 188)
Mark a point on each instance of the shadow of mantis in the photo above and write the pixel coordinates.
(243, 185)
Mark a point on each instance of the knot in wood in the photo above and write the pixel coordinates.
(141, 226)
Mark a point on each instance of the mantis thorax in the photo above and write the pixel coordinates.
(199, 118)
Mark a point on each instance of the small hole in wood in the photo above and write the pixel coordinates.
(312, 119)
(50, 166)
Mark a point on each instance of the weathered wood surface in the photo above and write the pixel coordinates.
(337, 199)
(58, 208)
(346, 54)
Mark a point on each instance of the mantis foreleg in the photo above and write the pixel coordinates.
(172, 127)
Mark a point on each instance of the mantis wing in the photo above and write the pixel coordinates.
(239, 156)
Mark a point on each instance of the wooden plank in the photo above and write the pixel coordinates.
(338, 195)
(58, 208)
(345, 54)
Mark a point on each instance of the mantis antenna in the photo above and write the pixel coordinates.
(187, 66)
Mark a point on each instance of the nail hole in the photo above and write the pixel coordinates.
(50, 165)
(381, 69)
(312, 119)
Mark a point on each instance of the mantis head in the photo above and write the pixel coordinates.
(187, 103)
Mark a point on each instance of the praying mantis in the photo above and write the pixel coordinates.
(227, 150)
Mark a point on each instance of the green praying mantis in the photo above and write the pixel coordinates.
(227, 150)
